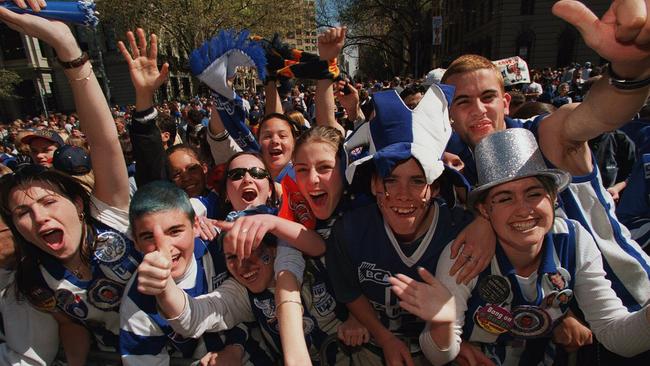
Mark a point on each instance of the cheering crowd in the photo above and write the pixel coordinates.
(420, 222)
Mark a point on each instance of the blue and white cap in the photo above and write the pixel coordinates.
(397, 133)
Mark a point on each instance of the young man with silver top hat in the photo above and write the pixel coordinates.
(541, 262)
(480, 105)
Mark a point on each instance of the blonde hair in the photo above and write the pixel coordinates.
(325, 134)
(468, 63)
(297, 117)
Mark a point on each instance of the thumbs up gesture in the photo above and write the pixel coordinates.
(621, 36)
(154, 273)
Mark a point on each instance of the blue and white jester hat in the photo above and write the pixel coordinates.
(214, 63)
(217, 60)
(397, 133)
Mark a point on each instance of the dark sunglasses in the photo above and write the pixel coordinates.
(255, 172)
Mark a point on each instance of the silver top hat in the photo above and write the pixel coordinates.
(509, 155)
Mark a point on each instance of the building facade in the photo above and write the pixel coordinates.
(499, 29)
(44, 88)
(304, 35)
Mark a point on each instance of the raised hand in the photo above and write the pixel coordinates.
(143, 65)
(430, 300)
(155, 270)
(331, 42)
(349, 101)
(621, 36)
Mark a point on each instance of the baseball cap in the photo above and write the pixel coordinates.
(72, 160)
(44, 134)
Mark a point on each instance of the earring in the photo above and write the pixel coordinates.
(82, 216)
(425, 203)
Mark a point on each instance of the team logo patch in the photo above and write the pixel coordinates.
(494, 289)
(42, 299)
(71, 304)
(368, 272)
(124, 269)
(494, 319)
(324, 303)
(109, 247)
(105, 294)
(268, 308)
(307, 325)
(530, 322)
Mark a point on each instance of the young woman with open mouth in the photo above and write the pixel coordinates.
(74, 254)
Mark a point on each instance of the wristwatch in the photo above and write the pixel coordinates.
(77, 62)
(625, 84)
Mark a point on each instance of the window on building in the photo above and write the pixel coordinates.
(525, 42)
(11, 44)
(527, 7)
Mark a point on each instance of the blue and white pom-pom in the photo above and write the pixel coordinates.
(214, 63)
(217, 60)
(79, 12)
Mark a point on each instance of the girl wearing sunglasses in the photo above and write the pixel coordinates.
(74, 256)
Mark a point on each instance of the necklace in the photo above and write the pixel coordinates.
(78, 271)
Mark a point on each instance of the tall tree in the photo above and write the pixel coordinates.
(8, 82)
(185, 24)
(399, 31)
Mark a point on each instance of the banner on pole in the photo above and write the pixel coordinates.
(437, 30)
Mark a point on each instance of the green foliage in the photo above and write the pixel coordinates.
(185, 24)
(8, 81)
(397, 33)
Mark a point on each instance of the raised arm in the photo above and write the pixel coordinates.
(143, 67)
(148, 149)
(111, 179)
(273, 103)
(620, 36)
(330, 44)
